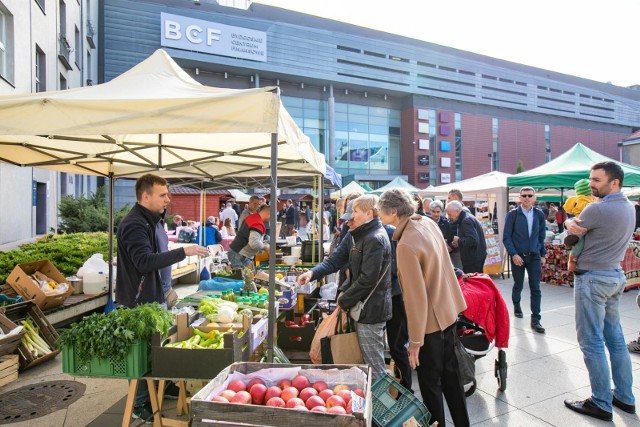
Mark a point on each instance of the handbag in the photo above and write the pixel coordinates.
(466, 364)
(344, 346)
(327, 327)
(356, 310)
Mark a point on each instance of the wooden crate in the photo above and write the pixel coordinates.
(204, 413)
(9, 344)
(8, 369)
(18, 312)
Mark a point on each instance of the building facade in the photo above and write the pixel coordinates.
(45, 45)
(376, 104)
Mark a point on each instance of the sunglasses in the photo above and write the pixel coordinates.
(527, 195)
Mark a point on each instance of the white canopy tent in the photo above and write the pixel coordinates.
(155, 118)
(352, 187)
(491, 186)
(396, 183)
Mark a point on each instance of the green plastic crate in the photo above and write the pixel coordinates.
(390, 411)
(135, 365)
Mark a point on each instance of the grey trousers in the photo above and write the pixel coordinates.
(371, 337)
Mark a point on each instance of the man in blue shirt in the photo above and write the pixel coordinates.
(523, 238)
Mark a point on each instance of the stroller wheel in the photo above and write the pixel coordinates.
(470, 388)
(500, 370)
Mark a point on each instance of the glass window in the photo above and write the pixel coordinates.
(341, 117)
(378, 129)
(379, 158)
(383, 121)
(41, 70)
(358, 109)
(378, 111)
(3, 43)
(289, 101)
(358, 118)
(6, 44)
(312, 104)
(341, 107)
(77, 49)
(358, 127)
(342, 126)
(295, 112)
(313, 123)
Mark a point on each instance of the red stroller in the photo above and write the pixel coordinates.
(484, 324)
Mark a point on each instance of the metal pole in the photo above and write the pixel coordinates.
(111, 231)
(272, 246)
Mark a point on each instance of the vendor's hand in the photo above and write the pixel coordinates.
(573, 227)
(304, 278)
(517, 260)
(455, 241)
(414, 355)
(195, 250)
(449, 248)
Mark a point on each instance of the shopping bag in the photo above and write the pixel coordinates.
(325, 328)
(466, 363)
(343, 347)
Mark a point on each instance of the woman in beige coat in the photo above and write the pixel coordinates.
(432, 299)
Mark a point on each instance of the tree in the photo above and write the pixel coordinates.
(520, 167)
(87, 215)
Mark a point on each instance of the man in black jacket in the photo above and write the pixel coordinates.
(470, 239)
(370, 272)
(144, 263)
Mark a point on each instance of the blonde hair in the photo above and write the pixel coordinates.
(366, 203)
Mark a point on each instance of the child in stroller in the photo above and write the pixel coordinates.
(484, 324)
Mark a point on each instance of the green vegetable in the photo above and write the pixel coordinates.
(32, 340)
(110, 336)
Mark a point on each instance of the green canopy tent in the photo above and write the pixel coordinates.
(569, 167)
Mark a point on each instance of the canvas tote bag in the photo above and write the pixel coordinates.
(343, 347)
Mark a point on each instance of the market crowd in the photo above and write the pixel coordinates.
(398, 258)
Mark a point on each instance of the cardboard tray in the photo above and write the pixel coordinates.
(254, 415)
(20, 281)
(19, 311)
(181, 363)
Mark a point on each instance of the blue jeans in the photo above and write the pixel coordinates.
(533, 266)
(597, 298)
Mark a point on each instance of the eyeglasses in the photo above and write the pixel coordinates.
(527, 195)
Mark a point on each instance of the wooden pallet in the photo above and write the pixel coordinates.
(8, 369)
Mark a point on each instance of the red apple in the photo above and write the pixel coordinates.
(253, 382)
(345, 395)
(325, 394)
(289, 393)
(275, 401)
(320, 385)
(305, 318)
(306, 393)
(228, 394)
(284, 384)
(237, 385)
(219, 399)
(339, 387)
(336, 401)
(290, 323)
(300, 382)
(272, 392)
(359, 392)
(322, 409)
(294, 401)
(350, 406)
(242, 396)
(300, 408)
(257, 392)
(337, 410)
(314, 401)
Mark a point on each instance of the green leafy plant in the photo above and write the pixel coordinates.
(110, 336)
(87, 215)
(67, 252)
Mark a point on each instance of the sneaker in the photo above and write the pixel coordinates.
(634, 346)
(143, 412)
(171, 391)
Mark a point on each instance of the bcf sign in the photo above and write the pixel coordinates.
(181, 32)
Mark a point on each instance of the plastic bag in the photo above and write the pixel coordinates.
(221, 284)
(326, 328)
(329, 291)
(95, 264)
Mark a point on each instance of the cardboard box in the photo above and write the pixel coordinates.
(288, 299)
(204, 412)
(9, 343)
(168, 362)
(23, 284)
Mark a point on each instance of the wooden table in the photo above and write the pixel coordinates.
(157, 397)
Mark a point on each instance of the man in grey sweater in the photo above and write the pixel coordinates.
(599, 282)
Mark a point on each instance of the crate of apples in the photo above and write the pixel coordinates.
(297, 394)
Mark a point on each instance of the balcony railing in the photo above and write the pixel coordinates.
(64, 52)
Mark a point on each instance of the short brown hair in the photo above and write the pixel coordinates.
(456, 193)
(145, 184)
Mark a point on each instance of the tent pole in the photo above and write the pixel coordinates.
(272, 246)
(111, 230)
(321, 211)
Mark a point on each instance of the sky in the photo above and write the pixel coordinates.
(593, 39)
